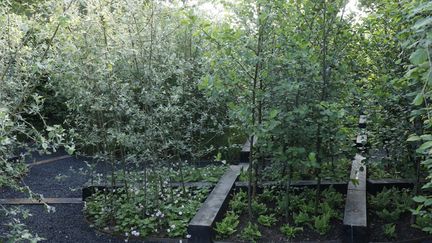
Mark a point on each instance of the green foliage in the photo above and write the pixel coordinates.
(389, 204)
(389, 230)
(239, 202)
(228, 225)
(302, 218)
(267, 220)
(290, 231)
(322, 223)
(258, 207)
(251, 233)
(121, 214)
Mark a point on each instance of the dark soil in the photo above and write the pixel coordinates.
(404, 230)
(67, 223)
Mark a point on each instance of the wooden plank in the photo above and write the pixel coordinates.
(298, 183)
(50, 160)
(28, 201)
(246, 146)
(201, 226)
(362, 121)
(355, 209)
(361, 140)
(355, 215)
(245, 152)
(358, 174)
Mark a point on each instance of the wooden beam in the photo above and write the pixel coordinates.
(201, 226)
(29, 201)
(50, 160)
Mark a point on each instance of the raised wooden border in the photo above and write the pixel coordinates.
(200, 228)
(30, 201)
(245, 152)
(355, 215)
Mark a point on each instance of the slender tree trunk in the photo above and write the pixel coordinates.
(323, 98)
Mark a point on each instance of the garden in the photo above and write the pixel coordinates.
(215, 121)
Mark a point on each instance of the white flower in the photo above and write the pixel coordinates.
(188, 236)
(180, 213)
(50, 209)
(135, 233)
(173, 226)
(168, 230)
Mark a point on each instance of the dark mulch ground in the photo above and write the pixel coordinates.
(67, 224)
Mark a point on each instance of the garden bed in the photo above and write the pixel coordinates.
(390, 218)
(271, 223)
(156, 208)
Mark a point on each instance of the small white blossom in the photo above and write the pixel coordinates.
(135, 233)
(173, 226)
(188, 236)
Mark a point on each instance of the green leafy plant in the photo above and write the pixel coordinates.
(389, 230)
(239, 202)
(290, 231)
(390, 204)
(302, 218)
(228, 225)
(258, 207)
(251, 233)
(322, 223)
(267, 220)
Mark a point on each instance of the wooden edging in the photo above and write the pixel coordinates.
(245, 152)
(32, 201)
(200, 228)
(355, 215)
(88, 191)
(49, 160)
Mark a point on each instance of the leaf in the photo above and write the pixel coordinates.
(426, 137)
(418, 99)
(312, 157)
(273, 114)
(355, 182)
(419, 56)
(424, 146)
(413, 138)
(419, 199)
(422, 23)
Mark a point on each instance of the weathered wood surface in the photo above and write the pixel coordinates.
(245, 152)
(355, 215)
(358, 174)
(27, 201)
(49, 160)
(361, 139)
(362, 121)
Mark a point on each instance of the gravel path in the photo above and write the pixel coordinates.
(58, 179)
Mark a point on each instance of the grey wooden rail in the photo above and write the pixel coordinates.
(201, 226)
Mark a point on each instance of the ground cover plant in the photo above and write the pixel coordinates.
(391, 218)
(142, 86)
(280, 219)
(167, 215)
